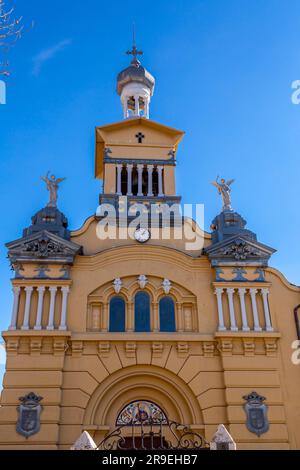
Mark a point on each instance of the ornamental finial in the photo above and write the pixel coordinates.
(134, 52)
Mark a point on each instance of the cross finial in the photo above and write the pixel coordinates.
(134, 52)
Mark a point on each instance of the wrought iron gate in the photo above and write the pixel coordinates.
(149, 434)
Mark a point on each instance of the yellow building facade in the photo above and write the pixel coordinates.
(159, 315)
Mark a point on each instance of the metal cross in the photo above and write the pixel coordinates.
(134, 52)
(140, 137)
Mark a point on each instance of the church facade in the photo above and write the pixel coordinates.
(140, 321)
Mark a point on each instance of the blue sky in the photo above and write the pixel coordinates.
(223, 74)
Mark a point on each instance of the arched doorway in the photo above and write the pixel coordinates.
(122, 390)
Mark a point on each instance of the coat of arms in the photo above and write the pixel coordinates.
(256, 411)
(29, 415)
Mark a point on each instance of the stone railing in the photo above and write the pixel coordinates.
(229, 294)
(38, 314)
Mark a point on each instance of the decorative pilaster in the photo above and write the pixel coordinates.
(63, 319)
(150, 173)
(28, 290)
(179, 317)
(265, 293)
(119, 174)
(219, 293)
(130, 317)
(160, 181)
(14, 316)
(140, 169)
(242, 292)
(230, 293)
(38, 323)
(156, 321)
(257, 326)
(129, 179)
(53, 291)
(104, 322)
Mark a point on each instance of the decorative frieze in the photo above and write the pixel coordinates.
(130, 349)
(36, 345)
(103, 348)
(182, 348)
(208, 348)
(77, 348)
(249, 346)
(157, 349)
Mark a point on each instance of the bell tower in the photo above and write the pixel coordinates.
(135, 86)
(136, 157)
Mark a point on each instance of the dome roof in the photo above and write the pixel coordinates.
(135, 73)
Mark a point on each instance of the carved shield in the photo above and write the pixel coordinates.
(256, 411)
(29, 415)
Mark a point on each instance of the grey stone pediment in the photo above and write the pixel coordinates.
(239, 250)
(43, 247)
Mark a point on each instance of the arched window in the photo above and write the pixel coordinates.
(117, 314)
(167, 314)
(142, 312)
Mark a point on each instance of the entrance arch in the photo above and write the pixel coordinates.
(140, 382)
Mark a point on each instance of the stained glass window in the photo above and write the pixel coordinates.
(142, 312)
(167, 314)
(141, 412)
(117, 314)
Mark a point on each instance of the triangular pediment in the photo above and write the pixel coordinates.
(239, 250)
(119, 140)
(42, 246)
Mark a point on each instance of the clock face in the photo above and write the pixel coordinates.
(142, 235)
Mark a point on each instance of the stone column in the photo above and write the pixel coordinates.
(14, 315)
(150, 186)
(38, 323)
(140, 169)
(63, 319)
(129, 179)
(119, 172)
(230, 293)
(124, 105)
(136, 105)
(129, 317)
(253, 293)
(53, 291)
(219, 291)
(104, 319)
(160, 181)
(242, 292)
(265, 293)
(146, 111)
(28, 290)
(179, 319)
(155, 322)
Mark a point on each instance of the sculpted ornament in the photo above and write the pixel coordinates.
(240, 250)
(256, 411)
(142, 280)
(52, 186)
(224, 190)
(43, 247)
(29, 415)
(117, 285)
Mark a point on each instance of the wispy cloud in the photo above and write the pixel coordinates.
(47, 54)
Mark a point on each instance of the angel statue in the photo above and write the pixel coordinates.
(225, 190)
(52, 186)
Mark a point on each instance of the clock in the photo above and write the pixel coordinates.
(142, 235)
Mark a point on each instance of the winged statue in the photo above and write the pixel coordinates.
(52, 186)
(225, 190)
